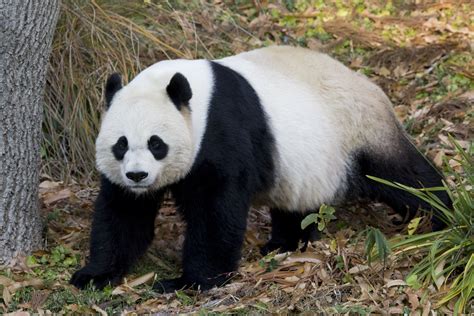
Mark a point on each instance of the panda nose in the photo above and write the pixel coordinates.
(137, 176)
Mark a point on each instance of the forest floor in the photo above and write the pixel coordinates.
(420, 54)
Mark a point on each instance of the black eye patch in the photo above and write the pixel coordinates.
(157, 147)
(120, 148)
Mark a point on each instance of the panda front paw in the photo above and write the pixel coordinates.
(87, 275)
(170, 285)
(282, 246)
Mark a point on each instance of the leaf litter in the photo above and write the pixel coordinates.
(420, 54)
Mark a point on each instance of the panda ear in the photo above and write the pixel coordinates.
(114, 84)
(179, 90)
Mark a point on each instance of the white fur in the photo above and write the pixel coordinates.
(142, 109)
(319, 112)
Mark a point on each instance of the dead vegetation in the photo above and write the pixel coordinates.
(420, 54)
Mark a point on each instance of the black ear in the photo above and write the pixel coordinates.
(114, 84)
(179, 90)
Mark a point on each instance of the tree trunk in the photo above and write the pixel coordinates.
(26, 32)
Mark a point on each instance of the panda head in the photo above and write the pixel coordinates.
(144, 141)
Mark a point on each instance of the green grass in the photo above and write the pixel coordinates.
(447, 256)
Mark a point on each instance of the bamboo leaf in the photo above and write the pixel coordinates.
(308, 220)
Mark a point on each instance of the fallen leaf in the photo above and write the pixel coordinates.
(48, 185)
(6, 296)
(53, 197)
(99, 310)
(413, 299)
(293, 278)
(358, 268)
(383, 71)
(438, 159)
(5, 281)
(143, 279)
(304, 257)
(395, 283)
(37, 283)
(439, 278)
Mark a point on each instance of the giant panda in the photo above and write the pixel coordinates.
(285, 127)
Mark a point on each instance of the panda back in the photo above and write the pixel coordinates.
(320, 114)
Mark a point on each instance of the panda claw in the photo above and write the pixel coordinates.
(275, 245)
(86, 277)
(169, 285)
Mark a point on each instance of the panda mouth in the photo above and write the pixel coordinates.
(139, 186)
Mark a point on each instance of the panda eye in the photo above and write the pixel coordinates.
(120, 148)
(154, 144)
(122, 143)
(157, 147)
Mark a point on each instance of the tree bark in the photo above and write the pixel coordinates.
(26, 32)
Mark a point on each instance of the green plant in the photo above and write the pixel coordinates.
(268, 262)
(447, 256)
(376, 245)
(321, 219)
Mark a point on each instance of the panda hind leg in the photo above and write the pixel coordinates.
(287, 233)
(411, 168)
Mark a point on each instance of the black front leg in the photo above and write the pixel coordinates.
(122, 230)
(216, 223)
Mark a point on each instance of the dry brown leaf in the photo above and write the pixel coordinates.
(5, 281)
(288, 289)
(38, 298)
(364, 287)
(128, 287)
(444, 139)
(426, 308)
(18, 313)
(142, 279)
(99, 310)
(18, 264)
(53, 197)
(292, 279)
(323, 274)
(315, 44)
(392, 283)
(37, 283)
(401, 111)
(358, 268)
(304, 257)
(7, 298)
(455, 164)
(383, 71)
(413, 299)
(438, 159)
(49, 185)
(395, 310)
(440, 277)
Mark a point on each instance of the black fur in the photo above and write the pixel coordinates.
(179, 90)
(408, 167)
(235, 162)
(122, 229)
(114, 84)
(157, 147)
(120, 148)
(287, 232)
